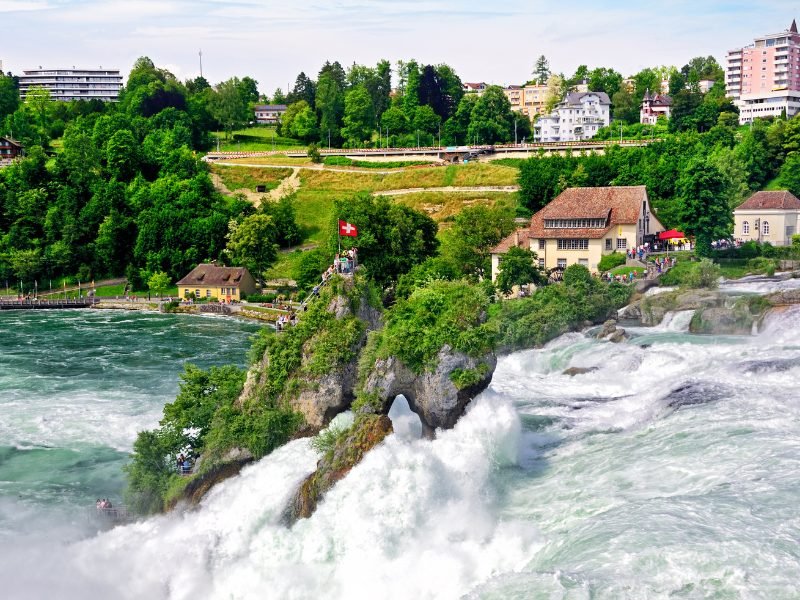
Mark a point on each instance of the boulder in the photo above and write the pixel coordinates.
(572, 371)
(608, 328)
(432, 395)
(722, 321)
(784, 297)
(618, 336)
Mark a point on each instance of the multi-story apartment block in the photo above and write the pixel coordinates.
(528, 100)
(763, 79)
(73, 84)
(577, 117)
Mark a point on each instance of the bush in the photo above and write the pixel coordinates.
(762, 264)
(313, 154)
(259, 298)
(338, 161)
(577, 275)
(702, 274)
(611, 261)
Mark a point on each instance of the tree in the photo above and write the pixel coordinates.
(283, 216)
(304, 89)
(789, 177)
(392, 238)
(9, 96)
(159, 282)
(456, 129)
(229, 106)
(625, 108)
(330, 103)
(605, 80)
(394, 121)
(541, 71)
(475, 231)
(248, 88)
(426, 120)
(555, 92)
(412, 85)
(491, 120)
(304, 126)
(359, 116)
(251, 243)
(278, 97)
(122, 155)
(518, 267)
(703, 207)
(431, 92)
(452, 89)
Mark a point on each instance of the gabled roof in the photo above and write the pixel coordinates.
(270, 107)
(11, 141)
(212, 275)
(780, 200)
(616, 205)
(575, 97)
(519, 238)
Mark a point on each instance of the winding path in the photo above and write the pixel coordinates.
(453, 188)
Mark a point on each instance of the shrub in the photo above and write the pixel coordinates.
(611, 261)
(762, 264)
(338, 161)
(464, 378)
(313, 153)
(703, 274)
(267, 298)
(577, 275)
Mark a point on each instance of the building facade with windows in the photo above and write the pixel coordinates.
(73, 84)
(269, 114)
(654, 106)
(763, 79)
(210, 281)
(578, 117)
(528, 100)
(474, 87)
(772, 217)
(582, 224)
(9, 150)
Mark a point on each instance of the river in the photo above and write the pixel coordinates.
(667, 471)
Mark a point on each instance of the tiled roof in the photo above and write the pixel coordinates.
(781, 200)
(519, 238)
(212, 275)
(575, 97)
(276, 107)
(618, 205)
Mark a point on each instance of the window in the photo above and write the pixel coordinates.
(584, 262)
(609, 241)
(208, 293)
(574, 223)
(541, 244)
(562, 263)
(573, 244)
(541, 263)
(765, 228)
(745, 228)
(622, 243)
(197, 293)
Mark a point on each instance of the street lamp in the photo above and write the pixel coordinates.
(757, 225)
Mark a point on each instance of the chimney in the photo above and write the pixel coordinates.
(516, 237)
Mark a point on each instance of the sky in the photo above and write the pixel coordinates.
(272, 41)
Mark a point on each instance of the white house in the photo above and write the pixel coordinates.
(654, 106)
(578, 117)
(772, 217)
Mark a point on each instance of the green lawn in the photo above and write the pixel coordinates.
(254, 139)
(237, 178)
(623, 270)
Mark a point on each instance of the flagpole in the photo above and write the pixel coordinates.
(339, 233)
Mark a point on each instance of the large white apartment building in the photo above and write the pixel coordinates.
(578, 117)
(73, 84)
(763, 79)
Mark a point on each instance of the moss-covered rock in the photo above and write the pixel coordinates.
(350, 447)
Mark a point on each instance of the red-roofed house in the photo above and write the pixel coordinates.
(583, 224)
(221, 283)
(772, 217)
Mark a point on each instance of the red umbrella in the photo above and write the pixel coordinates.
(672, 234)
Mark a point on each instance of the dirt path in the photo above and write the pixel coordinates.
(287, 186)
(481, 188)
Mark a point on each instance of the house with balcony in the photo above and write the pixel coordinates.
(578, 117)
(528, 100)
(653, 107)
(580, 225)
(772, 217)
(474, 87)
(269, 114)
(10, 149)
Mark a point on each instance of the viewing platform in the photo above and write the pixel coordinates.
(40, 304)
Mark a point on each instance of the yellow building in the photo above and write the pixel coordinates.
(528, 100)
(222, 283)
(772, 217)
(583, 224)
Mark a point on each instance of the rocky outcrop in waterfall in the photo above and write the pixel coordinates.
(438, 395)
(347, 450)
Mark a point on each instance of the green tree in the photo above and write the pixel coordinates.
(9, 96)
(491, 120)
(555, 92)
(330, 105)
(359, 116)
(789, 177)
(395, 121)
(283, 216)
(251, 243)
(703, 207)
(518, 267)
(541, 71)
(304, 126)
(605, 80)
(229, 105)
(475, 231)
(122, 155)
(392, 238)
(411, 92)
(456, 129)
(159, 282)
(426, 120)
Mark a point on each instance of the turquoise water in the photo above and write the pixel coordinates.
(75, 388)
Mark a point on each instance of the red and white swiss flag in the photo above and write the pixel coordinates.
(347, 229)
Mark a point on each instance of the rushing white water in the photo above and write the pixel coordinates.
(670, 470)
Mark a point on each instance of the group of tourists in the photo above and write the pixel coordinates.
(103, 504)
(284, 320)
(639, 252)
(183, 464)
(663, 263)
(344, 262)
